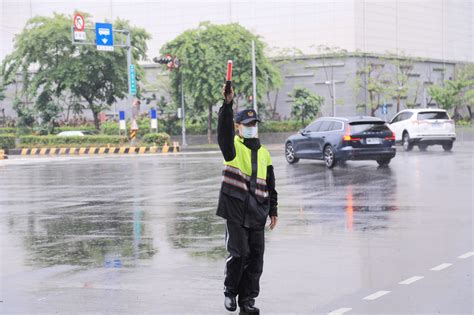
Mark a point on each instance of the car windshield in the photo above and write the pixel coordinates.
(359, 127)
(432, 115)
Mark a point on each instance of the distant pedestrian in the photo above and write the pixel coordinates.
(247, 198)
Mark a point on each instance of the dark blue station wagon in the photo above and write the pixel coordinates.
(338, 139)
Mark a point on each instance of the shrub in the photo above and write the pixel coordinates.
(7, 141)
(279, 126)
(196, 128)
(55, 141)
(156, 138)
(463, 123)
(9, 130)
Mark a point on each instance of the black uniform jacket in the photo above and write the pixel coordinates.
(248, 212)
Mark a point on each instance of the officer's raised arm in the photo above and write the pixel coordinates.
(225, 126)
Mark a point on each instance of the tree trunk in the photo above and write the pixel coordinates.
(398, 103)
(456, 115)
(67, 115)
(373, 110)
(209, 125)
(470, 111)
(95, 113)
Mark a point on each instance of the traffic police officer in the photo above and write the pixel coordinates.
(247, 198)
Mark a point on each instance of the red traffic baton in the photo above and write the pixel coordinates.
(228, 78)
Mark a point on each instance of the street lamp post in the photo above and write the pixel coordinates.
(254, 78)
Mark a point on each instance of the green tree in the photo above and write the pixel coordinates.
(203, 53)
(306, 104)
(100, 78)
(398, 84)
(449, 95)
(49, 110)
(371, 78)
(466, 75)
(26, 115)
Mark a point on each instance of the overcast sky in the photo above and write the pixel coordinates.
(426, 28)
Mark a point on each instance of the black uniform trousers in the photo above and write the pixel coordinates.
(244, 265)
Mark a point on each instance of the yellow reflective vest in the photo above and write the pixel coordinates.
(237, 174)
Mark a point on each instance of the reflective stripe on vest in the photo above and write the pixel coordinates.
(237, 172)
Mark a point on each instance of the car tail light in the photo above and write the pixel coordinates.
(350, 138)
(347, 136)
(392, 137)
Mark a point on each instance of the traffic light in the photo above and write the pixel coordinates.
(169, 61)
(162, 61)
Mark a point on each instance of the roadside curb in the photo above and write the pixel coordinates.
(94, 150)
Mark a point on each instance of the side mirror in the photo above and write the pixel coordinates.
(303, 132)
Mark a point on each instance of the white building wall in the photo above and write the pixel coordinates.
(437, 29)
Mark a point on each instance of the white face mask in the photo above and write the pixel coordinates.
(249, 132)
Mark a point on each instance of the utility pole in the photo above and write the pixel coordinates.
(183, 121)
(254, 78)
(129, 62)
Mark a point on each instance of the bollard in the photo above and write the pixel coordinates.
(165, 148)
(3, 156)
(133, 136)
(175, 146)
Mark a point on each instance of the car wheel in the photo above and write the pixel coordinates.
(407, 145)
(329, 157)
(448, 146)
(384, 162)
(290, 154)
(422, 147)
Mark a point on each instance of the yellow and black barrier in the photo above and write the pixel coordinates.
(94, 150)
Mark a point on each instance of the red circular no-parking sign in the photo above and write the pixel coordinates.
(79, 22)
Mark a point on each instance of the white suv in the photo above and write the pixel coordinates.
(423, 127)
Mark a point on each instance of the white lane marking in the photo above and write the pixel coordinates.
(376, 295)
(441, 267)
(43, 298)
(411, 280)
(466, 255)
(340, 311)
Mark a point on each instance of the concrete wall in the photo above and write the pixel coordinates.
(310, 73)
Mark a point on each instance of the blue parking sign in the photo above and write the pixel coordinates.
(104, 36)
(384, 109)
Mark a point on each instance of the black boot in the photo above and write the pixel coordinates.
(248, 308)
(229, 303)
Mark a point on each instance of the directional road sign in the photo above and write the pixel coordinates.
(133, 81)
(104, 36)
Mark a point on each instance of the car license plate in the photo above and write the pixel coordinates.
(373, 141)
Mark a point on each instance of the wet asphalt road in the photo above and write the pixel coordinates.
(138, 235)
